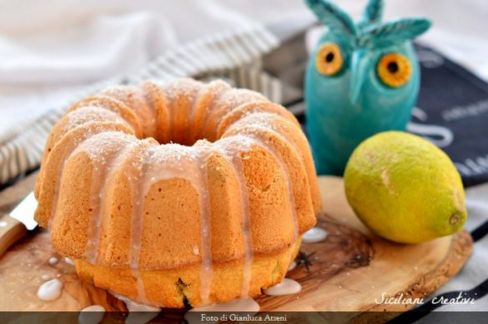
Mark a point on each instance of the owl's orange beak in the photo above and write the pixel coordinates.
(358, 70)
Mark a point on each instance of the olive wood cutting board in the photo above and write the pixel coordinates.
(350, 270)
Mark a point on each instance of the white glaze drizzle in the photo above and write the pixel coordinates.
(231, 147)
(177, 161)
(206, 251)
(240, 145)
(286, 287)
(292, 266)
(96, 187)
(137, 183)
(262, 122)
(50, 290)
(314, 235)
(288, 182)
(74, 145)
(93, 242)
(246, 229)
(59, 179)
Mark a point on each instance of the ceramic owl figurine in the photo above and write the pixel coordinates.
(362, 78)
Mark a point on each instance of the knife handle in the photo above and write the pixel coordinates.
(11, 230)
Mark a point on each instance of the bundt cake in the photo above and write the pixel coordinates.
(177, 194)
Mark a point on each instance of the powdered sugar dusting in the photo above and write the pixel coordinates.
(78, 136)
(236, 97)
(232, 145)
(247, 109)
(262, 119)
(181, 87)
(134, 97)
(100, 146)
(88, 114)
(228, 101)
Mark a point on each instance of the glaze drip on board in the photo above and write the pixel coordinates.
(286, 287)
(50, 290)
(314, 235)
(292, 266)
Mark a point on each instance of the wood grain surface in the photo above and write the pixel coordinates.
(349, 271)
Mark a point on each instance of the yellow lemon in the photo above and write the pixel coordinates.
(404, 188)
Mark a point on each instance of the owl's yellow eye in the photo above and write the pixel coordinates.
(394, 69)
(329, 59)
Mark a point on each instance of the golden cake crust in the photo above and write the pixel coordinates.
(144, 216)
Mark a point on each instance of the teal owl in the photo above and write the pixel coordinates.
(362, 78)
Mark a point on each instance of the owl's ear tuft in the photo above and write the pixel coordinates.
(392, 32)
(338, 21)
(372, 13)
